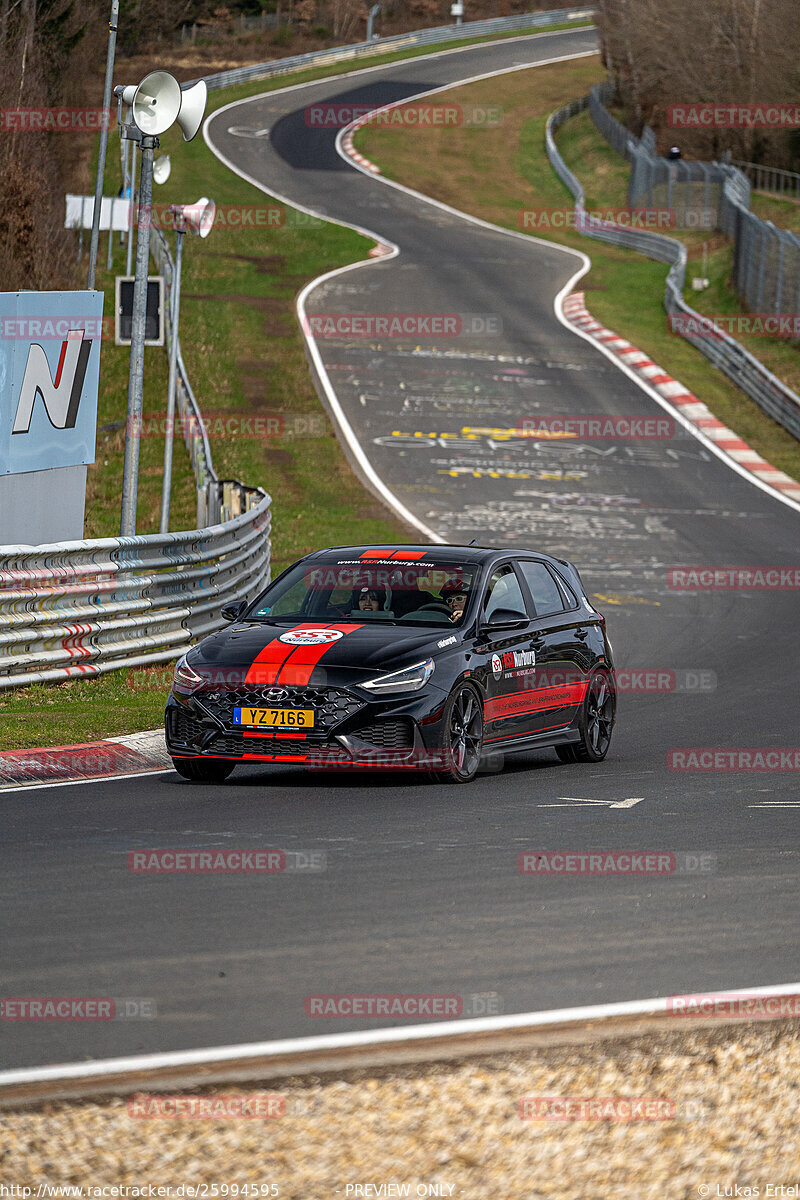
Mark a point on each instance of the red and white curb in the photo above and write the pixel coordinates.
(133, 754)
(675, 393)
(380, 249)
(351, 152)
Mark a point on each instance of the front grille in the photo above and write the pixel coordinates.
(185, 731)
(182, 728)
(331, 705)
(329, 752)
(397, 734)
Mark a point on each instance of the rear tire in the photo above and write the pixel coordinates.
(595, 722)
(203, 770)
(463, 738)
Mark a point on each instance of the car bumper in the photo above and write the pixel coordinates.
(351, 732)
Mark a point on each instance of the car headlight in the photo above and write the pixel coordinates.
(185, 679)
(410, 679)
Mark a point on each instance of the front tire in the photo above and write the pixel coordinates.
(595, 723)
(203, 770)
(463, 736)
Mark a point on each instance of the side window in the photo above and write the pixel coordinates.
(504, 592)
(543, 588)
(290, 602)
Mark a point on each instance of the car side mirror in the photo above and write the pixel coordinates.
(232, 612)
(504, 618)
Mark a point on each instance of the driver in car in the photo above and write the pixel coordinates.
(455, 597)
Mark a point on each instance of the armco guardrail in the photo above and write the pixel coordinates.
(738, 364)
(78, 609)
(402, 41)
(82, 608)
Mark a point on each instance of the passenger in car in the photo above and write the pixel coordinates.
(368, 600)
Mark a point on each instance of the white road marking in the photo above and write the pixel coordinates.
(35, 787)
(777, 804)
(572, 800)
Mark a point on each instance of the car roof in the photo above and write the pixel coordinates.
(442, 553)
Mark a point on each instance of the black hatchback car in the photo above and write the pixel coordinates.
(410, 657)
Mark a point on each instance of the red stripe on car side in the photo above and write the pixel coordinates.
(520, 703)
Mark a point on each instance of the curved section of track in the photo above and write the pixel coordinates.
(421, 892)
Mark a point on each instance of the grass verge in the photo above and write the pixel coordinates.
(505, 173)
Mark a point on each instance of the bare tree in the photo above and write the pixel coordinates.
(664, 52)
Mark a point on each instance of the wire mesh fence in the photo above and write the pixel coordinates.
(738, 364)
(771, 179)
(700, 195)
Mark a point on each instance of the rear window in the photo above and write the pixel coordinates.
(543, 587)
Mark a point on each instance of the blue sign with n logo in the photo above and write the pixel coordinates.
(49, 377)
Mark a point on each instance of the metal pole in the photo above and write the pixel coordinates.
(373, 12)
(110, 235)
(126, 153)
(130, 471)
(173, 365)
(101, 153)
(132, 209)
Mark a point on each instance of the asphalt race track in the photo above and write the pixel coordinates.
(421, 893)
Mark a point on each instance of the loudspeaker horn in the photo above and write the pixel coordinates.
(193, 106)
(161, 169)
(155, 103)
(198, 217)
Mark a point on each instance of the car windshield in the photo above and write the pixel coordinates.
(394, 590)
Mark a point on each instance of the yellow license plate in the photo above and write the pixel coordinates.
(275, 718)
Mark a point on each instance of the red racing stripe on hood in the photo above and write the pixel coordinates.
(265, 666)
(297, 670)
